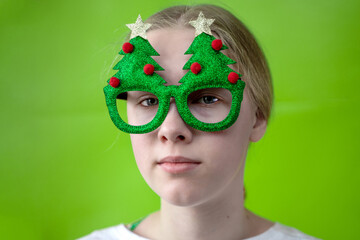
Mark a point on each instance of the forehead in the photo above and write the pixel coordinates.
(171, 44)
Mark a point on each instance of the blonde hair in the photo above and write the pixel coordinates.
(251, 62)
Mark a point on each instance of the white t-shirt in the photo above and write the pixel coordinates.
(277, 232)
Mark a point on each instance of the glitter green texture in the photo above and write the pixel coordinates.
(213, 74)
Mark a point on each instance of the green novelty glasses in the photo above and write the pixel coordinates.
(143, 108)
(208, 97)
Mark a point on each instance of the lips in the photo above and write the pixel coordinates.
(177, 159)
(178, 164)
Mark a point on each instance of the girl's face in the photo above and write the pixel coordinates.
(221, 154)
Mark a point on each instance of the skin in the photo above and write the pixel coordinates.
(207, 202)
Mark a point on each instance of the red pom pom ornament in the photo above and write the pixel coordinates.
(127, 47)
(233, 77)
(149, 69)
(114, 82)
(195, 68)
(216, 44)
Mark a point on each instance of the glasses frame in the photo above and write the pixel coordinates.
(180, 93)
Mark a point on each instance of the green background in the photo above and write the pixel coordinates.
(66, 170)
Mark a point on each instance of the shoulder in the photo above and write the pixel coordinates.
(118, 232)
(283, 232)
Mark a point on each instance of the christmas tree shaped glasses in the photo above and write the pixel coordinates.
(208, 98)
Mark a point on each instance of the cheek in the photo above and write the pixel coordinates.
(141, 147)
(229, 164)
(224, 150)
(230, 154)
(229, 148)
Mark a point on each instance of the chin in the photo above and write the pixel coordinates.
(182, 196)
(181, 202)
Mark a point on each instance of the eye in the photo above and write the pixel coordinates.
(149, 102)
(209, 99)
(206, 100)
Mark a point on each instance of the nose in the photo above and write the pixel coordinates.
(174, 129)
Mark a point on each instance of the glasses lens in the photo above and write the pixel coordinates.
(137, 108)
(210, 105)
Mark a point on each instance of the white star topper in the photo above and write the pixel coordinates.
(138, 28)
(202, 24)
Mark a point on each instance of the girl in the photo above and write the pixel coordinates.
(196, 168)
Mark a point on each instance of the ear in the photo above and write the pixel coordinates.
(259, 127)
